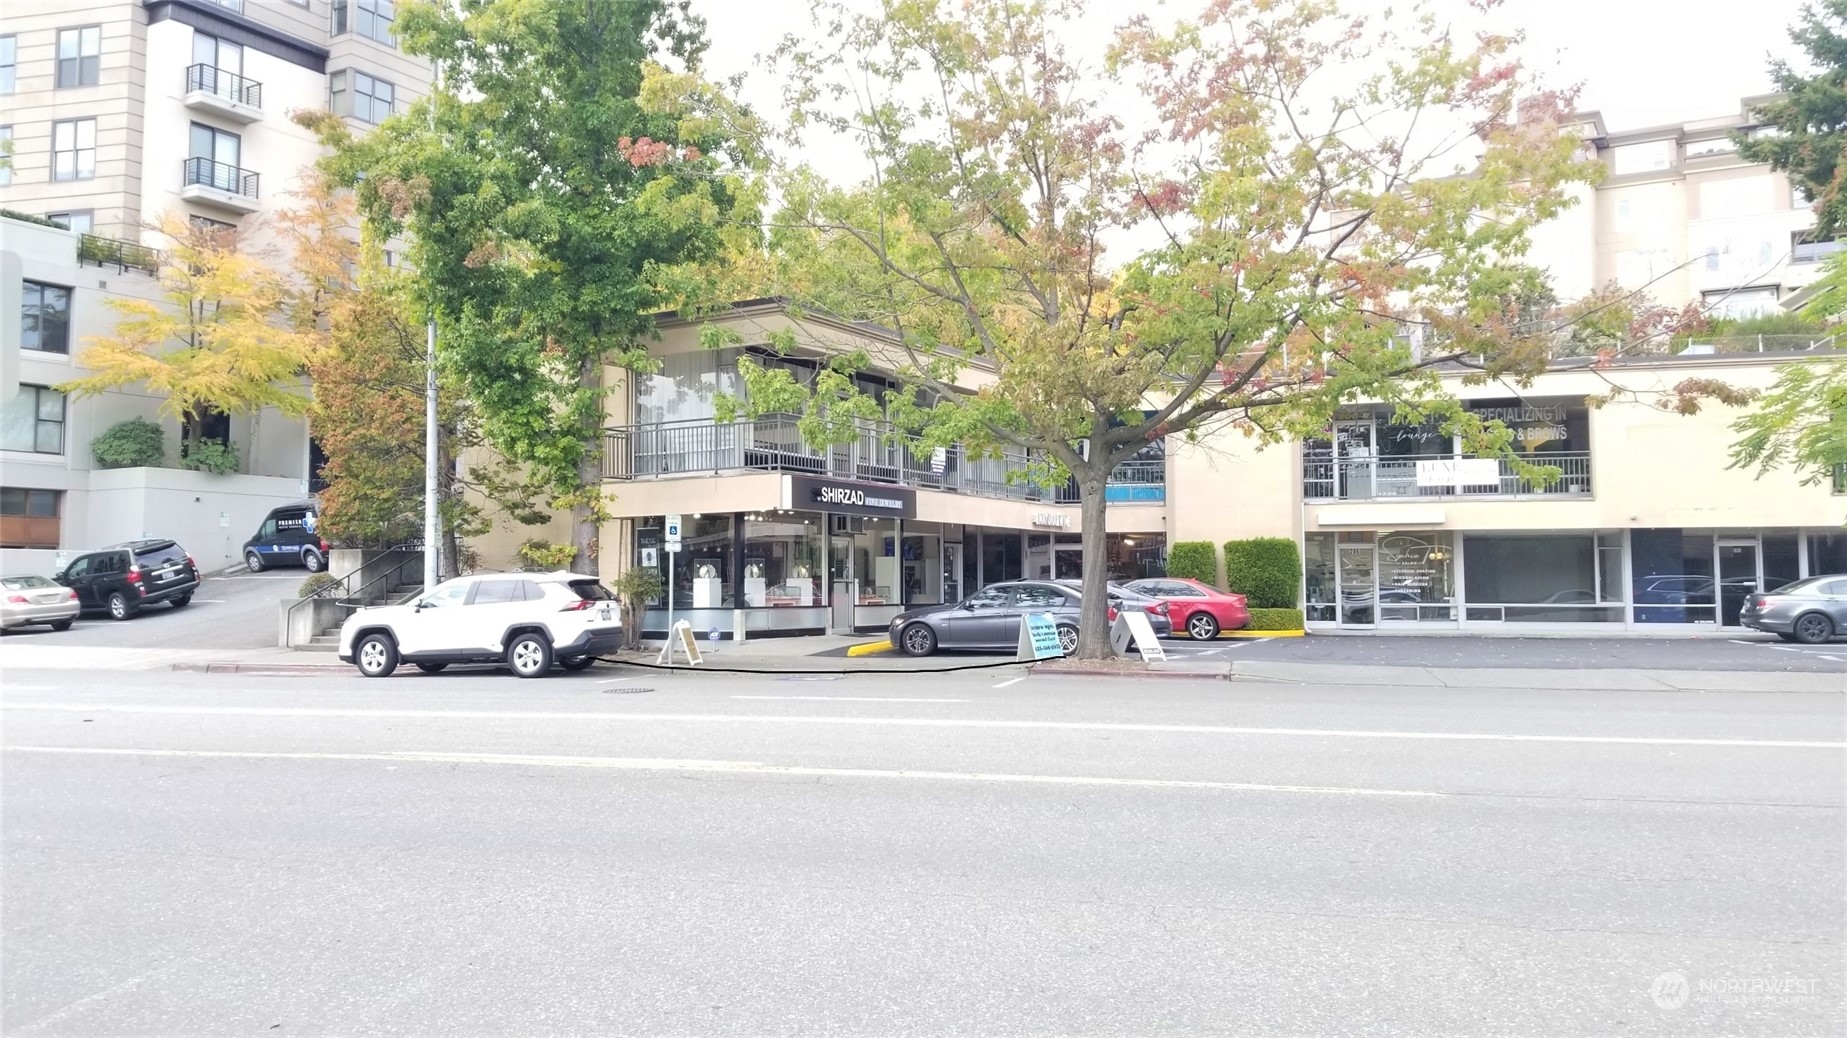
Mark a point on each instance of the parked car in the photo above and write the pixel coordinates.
(528, 621)
(288, 537)
(123, 578)
(30, 599)
(1197, 608)
(1809, 611)
(1122, 597)
(990, 618)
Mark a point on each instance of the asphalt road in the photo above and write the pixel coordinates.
(976, 854)
(1733, 651)
(238, 611)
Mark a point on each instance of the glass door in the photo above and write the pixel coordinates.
(1359, 593)
(952, 573)
(1354, 448)
(1738, 577)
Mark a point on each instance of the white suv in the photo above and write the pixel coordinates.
(526, 620)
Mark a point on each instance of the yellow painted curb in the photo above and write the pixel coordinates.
(869, 648)
(1262, 634)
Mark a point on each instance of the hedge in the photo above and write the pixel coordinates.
(1194, 560)
(1266, 570)
(134, 443)
(1275, 620)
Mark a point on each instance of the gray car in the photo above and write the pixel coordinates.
(988, 619)
(1809, 611)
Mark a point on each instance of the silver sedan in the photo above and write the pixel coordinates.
(31, 599)
(1810, 611)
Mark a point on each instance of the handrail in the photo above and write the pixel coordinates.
(1326, 478)
(221, 175)
(327, 591)
(123, 255)
(213, 80)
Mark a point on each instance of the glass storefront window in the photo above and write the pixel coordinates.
(1827, 553)
(876, 562)
(686, 386)
(1136, 556)
(1416, 577)
(1673, 577)
(703, 577)
(1000, 558)
(783, 563)
(1781, 561)
(1537, 578)
(922, 564)
(1318, 566)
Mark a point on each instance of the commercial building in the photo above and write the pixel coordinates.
(117, 112)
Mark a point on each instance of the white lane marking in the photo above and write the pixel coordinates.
(615, 681)
(208, 601)
(1212, 652)
(860, 699)
(1011, 681)
(1836, 659)
(918, 722)
(1741, 641)
(739, 767)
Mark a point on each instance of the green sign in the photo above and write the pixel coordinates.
(1039, 637)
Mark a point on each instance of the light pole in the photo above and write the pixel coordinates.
(432, 523)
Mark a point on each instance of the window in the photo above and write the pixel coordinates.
(987, 598)
(29, 518)
(446, 596)
(1739, 303)
(79, 220)
(1542, 578)
(34, 421)
(80, 56)
(499, 592)
(1673, 576)
(1037, 596)
(73, 149)
(784, 560)
(231, 5)
(1802, 250)
(217, 56)
(45, 318)
(216, 154)
(366, 98)
(6, 155)
(369, 18)
(1643, 158)
(9, 63)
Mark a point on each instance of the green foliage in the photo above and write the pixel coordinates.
(1266, 570)
(318, 585)
(1195, 560)
(131, 444)
(1782, 322)
(14, 214)
(543, 556)
(1275, 620)
(1801, 422)
(636, 587)
(213, 456)
(1812, 115)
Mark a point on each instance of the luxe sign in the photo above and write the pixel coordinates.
(829, 495)
(1454, 472)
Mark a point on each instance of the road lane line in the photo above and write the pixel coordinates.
(1011, 681)
(739, 767)
(918, 722)
(862, 699)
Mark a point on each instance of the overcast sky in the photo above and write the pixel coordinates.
(1642, 62)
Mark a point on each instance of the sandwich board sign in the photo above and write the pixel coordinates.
(1039, 637)
(683, 639)
(1132, 628)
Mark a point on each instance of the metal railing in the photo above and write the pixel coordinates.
(876, 452)
(221, 175)
(400, 567)
(1139, 480)
(112, 252)
(213, 80)
(1393, 477)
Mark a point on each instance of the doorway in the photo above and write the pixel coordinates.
(1739, 577)
(1356, 568)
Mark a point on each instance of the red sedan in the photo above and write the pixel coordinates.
(1201, 610)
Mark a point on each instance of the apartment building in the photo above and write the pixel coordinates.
(117, 112)
(1680, 214)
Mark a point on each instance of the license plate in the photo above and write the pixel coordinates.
(603, 613)
(165, 573)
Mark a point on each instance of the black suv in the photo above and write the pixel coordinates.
(122, 578)
(287, 538)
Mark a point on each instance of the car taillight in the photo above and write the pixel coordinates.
(324, 545)
(1112, 614)
(578, 606)
(191, 563)
(134, 574)
(1760, 602)
(1239, 599)
(18, 599)
(73, 594)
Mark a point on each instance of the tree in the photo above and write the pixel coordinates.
(551, 213)
(1310, 208)
(1801, 422)
(1811, 116)
(220, 338)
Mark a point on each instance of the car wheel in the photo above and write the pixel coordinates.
(432, 668)
(377, 656)
(118, 606)
(576, 663)
(1786, 636)
(311, 560)
(917, 640)
(1202, 627)
(182, 601)
(530, 655)
(1067, 639)
(60, 625)
(253, 561)
(1812, 628)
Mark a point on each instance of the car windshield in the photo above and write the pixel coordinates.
(591, 591)
(24, 583)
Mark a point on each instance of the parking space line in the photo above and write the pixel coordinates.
(1011, 681)
(863, 699)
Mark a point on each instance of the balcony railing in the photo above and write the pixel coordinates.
(213, 80)
(220, 175)
(877, 453)
(122, 255)
(1137, 481)
(1427, 476)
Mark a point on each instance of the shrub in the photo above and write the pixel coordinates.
(1275, 620)
(317, 585)
(212, 456)
(1266, 570)
(543, 556)
(636, 587)
(135, 443)
(1195, 560)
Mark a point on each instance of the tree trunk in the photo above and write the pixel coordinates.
(1093, 619)
(585, 512)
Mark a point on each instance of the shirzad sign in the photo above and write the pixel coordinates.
(825, 495)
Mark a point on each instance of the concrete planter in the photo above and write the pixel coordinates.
(299, 620)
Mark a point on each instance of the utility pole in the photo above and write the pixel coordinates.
(432, 522)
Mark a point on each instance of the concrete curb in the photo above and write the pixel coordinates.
(284, 669)
(1262, 634)
(1610, 679)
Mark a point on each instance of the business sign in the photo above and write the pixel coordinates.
(1056, 520)
(1454, 472)
(1039, 637)
(813, 493)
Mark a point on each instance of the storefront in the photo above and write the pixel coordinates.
(1595, 580)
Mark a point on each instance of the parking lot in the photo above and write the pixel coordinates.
(235, 611)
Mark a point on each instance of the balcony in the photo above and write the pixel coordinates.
(219, 184)
(122, 255)
(878, 453)
(1424, 477)
(1136, 481)
(225, 94)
